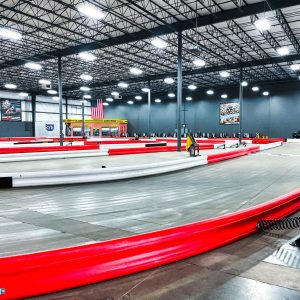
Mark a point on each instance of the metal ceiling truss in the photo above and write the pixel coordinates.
(220, 32)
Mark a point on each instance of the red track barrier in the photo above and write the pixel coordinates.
(212, 141)
(15, 139)
(114, 142)
(140, 150)
(267, 141)
(212, 158)
(143, 150)
(68, 139)
(45, 149)
(222, 140)
(40, 273)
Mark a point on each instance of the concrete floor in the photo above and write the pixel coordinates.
(35, 219)
(260, 267)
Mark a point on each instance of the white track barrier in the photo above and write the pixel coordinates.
(44, 178)
(270, 146)
(47, 178)
(293, 141)
(13, 145)
(18, 157)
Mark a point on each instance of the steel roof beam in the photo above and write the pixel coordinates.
(226, 15)
(235, 66)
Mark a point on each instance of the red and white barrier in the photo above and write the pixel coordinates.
(34, 274)
(42, 178)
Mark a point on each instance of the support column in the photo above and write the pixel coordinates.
(33, 111)
(179, 90)
(149, 110)
(67, 116)
(61, 128)
(82, 121)
(241, 105)
(67, 108)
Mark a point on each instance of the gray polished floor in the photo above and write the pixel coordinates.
(34, 219)
(261, 267)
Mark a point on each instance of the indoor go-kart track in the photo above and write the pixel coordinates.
(36, 219)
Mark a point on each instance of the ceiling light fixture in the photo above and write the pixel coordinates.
(255, 89)
(52, 92)
(169, 80)
(10, 86)
(210, 92)
(199, 62)
(266, 93)
(87, 96)
(262, 24)
(159, 43)
(138, 97)
(130, 102)
(105, 104)
(55, 98)
(87, 56)
(145, 90)
(157, 100)
(171, 95)
(123, 85)
(91, 11)
(10, 34)
(115, 94)
(86, 77)
(22, 94)
(224, 96)
(192, 87)
(282, 51)
(85, 88)
(44, 81)
(244, 83)
(135, 71)
(189, 98)
(224, 74)
(33, 66)
(295, 67)
(109, 99)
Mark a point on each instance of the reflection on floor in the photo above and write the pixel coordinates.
(244, 270)
(35, 219)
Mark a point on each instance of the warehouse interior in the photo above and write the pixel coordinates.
(150, 149)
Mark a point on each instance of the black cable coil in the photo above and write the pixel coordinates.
(279, 224)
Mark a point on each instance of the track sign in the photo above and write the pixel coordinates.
(49, 127)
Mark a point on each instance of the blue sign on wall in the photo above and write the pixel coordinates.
(49, 127)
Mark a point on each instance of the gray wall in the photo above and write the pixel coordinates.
(47, 112)
(277, 115)
(15, 129)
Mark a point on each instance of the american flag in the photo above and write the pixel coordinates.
(98, 111)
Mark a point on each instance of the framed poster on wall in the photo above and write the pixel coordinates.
(11, 110)
(229, 113)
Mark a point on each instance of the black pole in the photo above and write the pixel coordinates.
(241, 106)
(67, 108)
(33, 111)
(61, 134)
(149, 109)
(179, 90)
(82, 111)
(67, 116)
